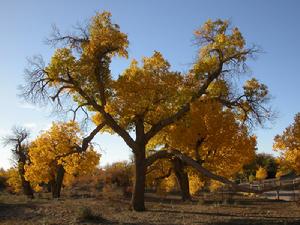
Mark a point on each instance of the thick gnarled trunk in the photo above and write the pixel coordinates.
(27, 189)
(182, 179)
(138, 196)
(56, 183)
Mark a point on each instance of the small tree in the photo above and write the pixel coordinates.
(14, 182)
(288, 145)
(53, 153)
(19, 142)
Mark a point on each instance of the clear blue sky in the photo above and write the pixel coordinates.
(166, 26)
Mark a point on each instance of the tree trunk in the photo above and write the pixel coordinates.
(138, 201)
(182, 179)
(48, 187)
(56, 184)
(27, 190)
(53, 188)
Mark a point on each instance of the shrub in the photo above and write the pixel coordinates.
(86, 214)
(251, 178)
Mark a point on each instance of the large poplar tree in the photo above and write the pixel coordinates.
(146, 97)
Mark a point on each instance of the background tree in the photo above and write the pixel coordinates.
(120, 174)
(267, 161)
(54, 154)
(261, 173)
(161, 177)
(13, 181)
(288, 145)
(145, 98)
(19, 142)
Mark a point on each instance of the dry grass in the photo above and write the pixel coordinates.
(17, 210)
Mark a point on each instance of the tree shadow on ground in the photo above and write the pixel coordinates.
(176, 199)
(25, 212)
(21, 210)
(103, 221)
(170, 199)
(192, 213)
(261, 218)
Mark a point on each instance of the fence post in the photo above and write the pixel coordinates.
(294, 191)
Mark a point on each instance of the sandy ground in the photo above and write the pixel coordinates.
(17, 210)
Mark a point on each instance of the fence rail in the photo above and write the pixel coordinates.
(285, 189)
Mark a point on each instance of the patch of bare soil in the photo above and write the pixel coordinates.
(17, 210)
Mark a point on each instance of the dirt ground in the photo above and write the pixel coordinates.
(17, 210)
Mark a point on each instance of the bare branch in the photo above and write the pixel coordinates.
(90, 137)
(18, 140)
(70, 40)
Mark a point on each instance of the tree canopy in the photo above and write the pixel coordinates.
(54, 152)
(147, 97)
(288, 145)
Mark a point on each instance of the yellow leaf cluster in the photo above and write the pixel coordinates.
(215, 185)
(104, 41)
(14, 180)
(62, 63)
(288, 144)
(150, 90)
(105, 35)
(219, 45)
(167, 185)
(261, 173)
(196, 182)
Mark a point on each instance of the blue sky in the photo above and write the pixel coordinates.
(166, 26)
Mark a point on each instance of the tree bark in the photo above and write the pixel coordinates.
(53, 188)
(48, 187)
(56, 184)
(182, 179)
(138, 196)
(27, 189)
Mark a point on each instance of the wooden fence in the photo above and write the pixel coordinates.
(284, 189)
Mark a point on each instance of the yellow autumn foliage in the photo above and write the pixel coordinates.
(261, 173)
(57, 147)
(14, 180)
(288, 145)
(216, 37)
(224, 139)
(196, 182)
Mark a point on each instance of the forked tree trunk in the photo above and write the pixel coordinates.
(27, 189)
(138, 201)
(56, 184)
(182, 179)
